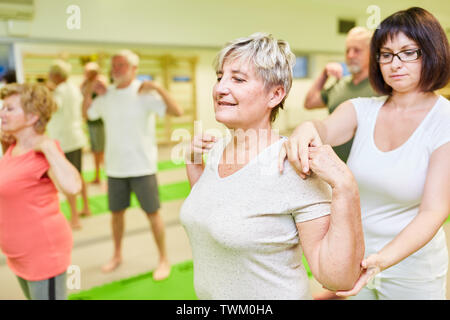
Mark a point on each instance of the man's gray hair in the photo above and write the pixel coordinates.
(92, 66)
(360, 33)
(130, 56)
(272, 58)
(61, 68)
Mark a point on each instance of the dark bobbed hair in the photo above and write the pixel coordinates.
(422, 27)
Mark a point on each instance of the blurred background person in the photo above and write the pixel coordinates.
(8, 77)
(128, 109)
(95, 127)
(66, 126)
(354, 85)
(34, 234)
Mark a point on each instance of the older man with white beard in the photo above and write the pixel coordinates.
(128, 109)
(346, 87)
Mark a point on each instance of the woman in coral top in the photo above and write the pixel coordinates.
(34, 235)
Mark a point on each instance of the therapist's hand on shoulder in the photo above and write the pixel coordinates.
(324, 162)
(296, 148)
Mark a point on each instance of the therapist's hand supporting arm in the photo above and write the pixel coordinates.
(335, 130)
(433, 212)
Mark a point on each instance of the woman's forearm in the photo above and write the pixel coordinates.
(321, 130)
(313, 98)
(194, 166)
(413, 237)
(194, 171)
(342, 248)
(63, 173)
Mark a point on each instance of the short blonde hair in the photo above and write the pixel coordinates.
(61, 68)
(272, 58)
(130, 56)
(34, 99)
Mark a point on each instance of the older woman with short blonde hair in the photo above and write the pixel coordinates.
(248, 225)
(34, 235)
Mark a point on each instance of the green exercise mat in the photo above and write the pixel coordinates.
(178, 286)
(99, 204)
(305, 263)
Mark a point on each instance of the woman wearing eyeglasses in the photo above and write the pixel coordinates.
(400, 158)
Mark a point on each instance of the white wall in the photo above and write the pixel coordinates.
(201, 27)
(206, 23)
(306, 24)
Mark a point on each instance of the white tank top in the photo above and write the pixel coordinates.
(391, 185)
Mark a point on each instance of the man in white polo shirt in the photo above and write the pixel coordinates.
(128, 109)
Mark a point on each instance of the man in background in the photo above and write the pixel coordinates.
(346, 87)
(128, 109)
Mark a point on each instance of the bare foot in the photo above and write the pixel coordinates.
(162, 271)
(112, 265)
(95, 181)
(86, 213)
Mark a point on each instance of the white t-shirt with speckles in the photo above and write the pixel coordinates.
(242, 228)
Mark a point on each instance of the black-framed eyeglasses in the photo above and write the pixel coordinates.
(404, 56)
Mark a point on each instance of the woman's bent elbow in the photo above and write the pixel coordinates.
(73, 189)
(344, 283)
(345, 275)
(351, 280)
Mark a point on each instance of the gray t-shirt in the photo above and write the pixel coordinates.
(242, 228)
